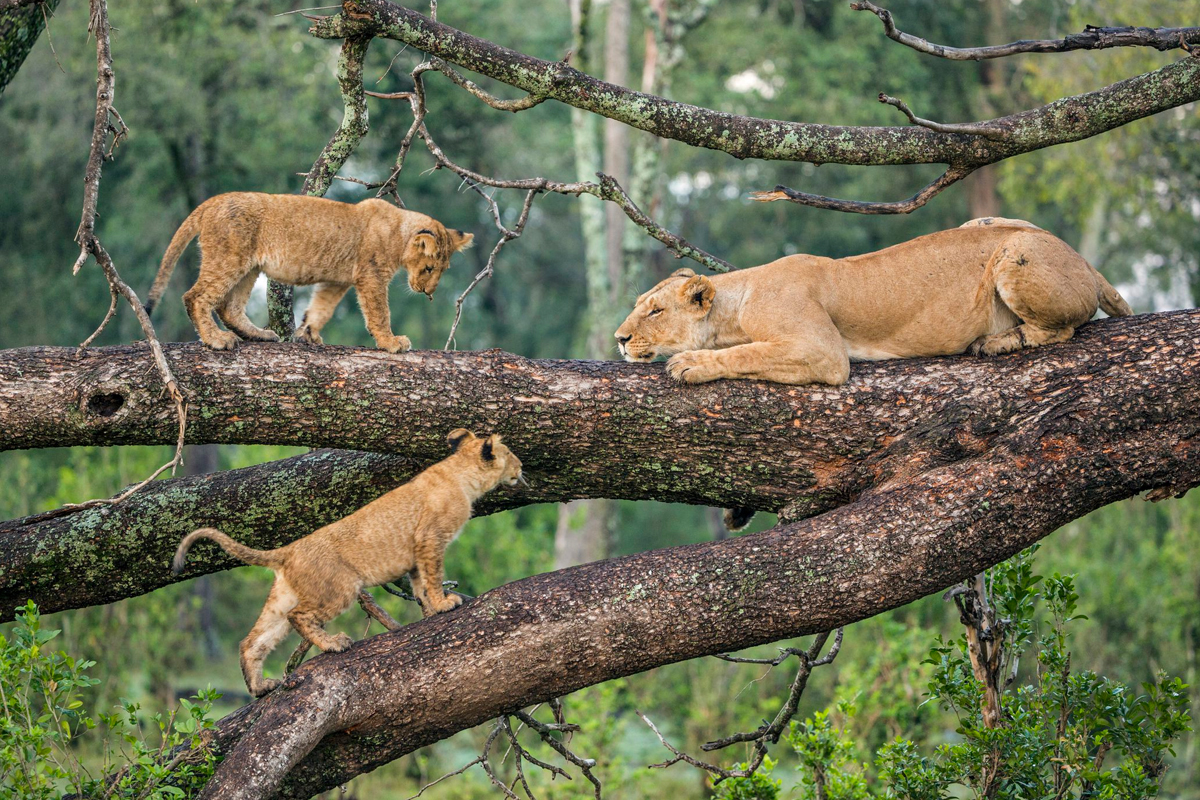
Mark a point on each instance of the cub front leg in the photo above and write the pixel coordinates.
(373, 299)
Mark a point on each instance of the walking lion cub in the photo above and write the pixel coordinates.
(991, 286)
(302, 241)
(404, 532)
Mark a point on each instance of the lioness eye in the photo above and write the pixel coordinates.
(655, 311)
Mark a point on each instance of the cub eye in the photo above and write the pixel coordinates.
(654, 312)
(429, 268)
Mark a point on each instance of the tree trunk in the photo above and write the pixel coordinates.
(20, 27)
(583, 429)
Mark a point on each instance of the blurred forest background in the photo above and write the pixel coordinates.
(231, 96)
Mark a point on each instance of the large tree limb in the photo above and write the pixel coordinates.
(21, 23)
(583, 429)
(1067, 120)
(1088, 438)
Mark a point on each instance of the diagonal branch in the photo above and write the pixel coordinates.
(1092, 38)
(1066, 120)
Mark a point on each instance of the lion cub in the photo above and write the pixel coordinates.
(404, 532)
(302, 241)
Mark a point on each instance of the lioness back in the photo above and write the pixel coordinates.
(989, 287)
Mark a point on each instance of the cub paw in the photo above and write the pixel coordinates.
(397, 344)
(340, 642)
(691, 367)
(451, 602)
(307, 334)
(222, 340)
(267, 686)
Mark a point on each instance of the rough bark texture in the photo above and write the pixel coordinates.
(20, 27)
(1066, 120)
(1050, 438)
(797, 450)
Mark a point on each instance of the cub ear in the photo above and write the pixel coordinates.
(426, 241)
(686, 272)
(486, 452)
(457, 437)
(460, 241)
(698, 292)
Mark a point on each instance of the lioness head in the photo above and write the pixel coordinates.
(494, 458)
(428, 255)
(666, 319)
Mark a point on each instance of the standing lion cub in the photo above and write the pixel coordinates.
(405, 532)
(991, 286)
(303, 241)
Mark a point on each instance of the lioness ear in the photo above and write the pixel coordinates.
(460, 241)
(686, 272)
(425, 240)
(457, 437)
(486, 451)
(698, 291)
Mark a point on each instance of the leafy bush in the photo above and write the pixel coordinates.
(44, 722)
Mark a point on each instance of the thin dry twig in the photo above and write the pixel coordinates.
(968, 128)
(950, 177)
(769, 732)
(1092, 38)
(109, 122)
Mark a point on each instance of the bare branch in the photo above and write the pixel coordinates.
(969, 128)
(1092, 38)
(947, 179)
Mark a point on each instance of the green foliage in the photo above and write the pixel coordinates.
(758, 786)
(42, 697)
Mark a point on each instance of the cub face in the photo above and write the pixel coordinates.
(427, 255)
(494, 457)
(666, 320)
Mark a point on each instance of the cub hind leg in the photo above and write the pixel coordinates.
(325, 300)
(233, 311)
(220, 273)
(1049, 286)
(270, 629)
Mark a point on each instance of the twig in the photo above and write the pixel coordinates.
(1092, 38)
(969, 128)
(950, 177)
(769, 732)
(89, 243)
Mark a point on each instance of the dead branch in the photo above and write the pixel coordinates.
(931, 190)
(107, 122)
(1092, 38)
(769, 732)
(968, 128)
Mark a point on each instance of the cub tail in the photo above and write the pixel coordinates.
(179, 242)
(259, 558)
(1110, 299)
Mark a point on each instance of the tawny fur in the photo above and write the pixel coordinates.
(991, 286)
(304, 241)
(405, 532)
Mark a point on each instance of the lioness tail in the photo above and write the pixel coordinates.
(1110, 299)
(259, 558)
(179, 242)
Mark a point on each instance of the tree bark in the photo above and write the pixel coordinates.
(1104, 423)
(20, 26)
(583, 429)
(1067, 120)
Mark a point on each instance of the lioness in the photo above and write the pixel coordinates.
(991, 286)
(302, 241)
(404, 532)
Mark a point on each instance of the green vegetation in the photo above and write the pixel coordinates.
(222, 96)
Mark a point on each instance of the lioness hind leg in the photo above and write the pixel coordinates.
(233, 311)
(1046, 284)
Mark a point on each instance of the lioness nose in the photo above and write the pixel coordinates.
(622, 339)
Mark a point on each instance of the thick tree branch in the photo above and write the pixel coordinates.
(21, 23)
(1087, 442)
(796, 450)
(1092, 38)
(1066, 120)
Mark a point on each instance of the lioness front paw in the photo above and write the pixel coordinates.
(222, 340)
(396, 344)
(693, 366)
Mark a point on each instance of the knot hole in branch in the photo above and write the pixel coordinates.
(105, 404)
